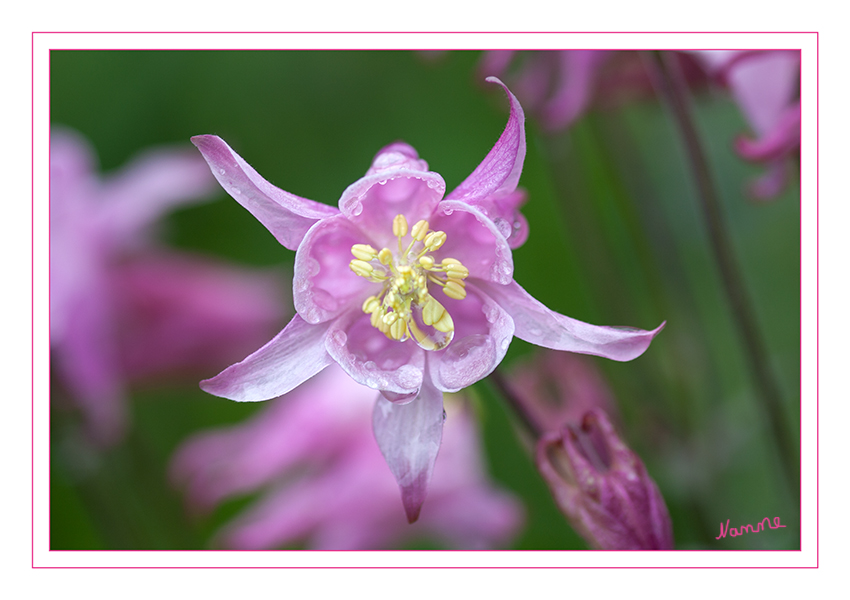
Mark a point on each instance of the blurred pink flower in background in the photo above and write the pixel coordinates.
(557, 87)
(123, 309)
(766, 87)
(324, 483)
(558, 388)
(377, 315)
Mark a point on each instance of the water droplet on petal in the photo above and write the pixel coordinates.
(339, 337)
(221, 171)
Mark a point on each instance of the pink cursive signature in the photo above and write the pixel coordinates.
(748, 528)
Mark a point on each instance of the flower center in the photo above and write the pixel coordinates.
(405, 308)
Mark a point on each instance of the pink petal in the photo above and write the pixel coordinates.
(500, 170)
(311, 425)
(539, 325)
(292, 357)
(409, 437)
(764, 85)
(152, 184)
(576, 83)
(483, 332)
(72, 158)
(398, 182)
(495, 63)
(473, 239)
(179, 313)
(374, 360)
(323, 284)
(782, 139)
(87, 359)
(285, 215)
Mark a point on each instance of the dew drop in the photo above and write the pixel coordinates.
(339, 337)
(221, 171)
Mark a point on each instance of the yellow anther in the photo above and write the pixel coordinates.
(434, 240)
(456, 270)
(420, 230)
(432, 311)
(390, 318)
(454, 288)
(371, 304)
(385, 256)
(364, 252)
(398, 329)
(399, 226)
(375, 319)
(361, 267)
(427, 261)
(445, 324)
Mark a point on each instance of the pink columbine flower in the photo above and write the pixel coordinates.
(322, 480)
(603, 488)
(766, 87)
(410, 292)
(120, 307)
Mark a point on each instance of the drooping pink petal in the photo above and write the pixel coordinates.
(290, 358)
(374, 360)
(409, 437)
(537, 324)
(285, 215)
(398, 182)
(473, 239)
(499, 172)
(483, 332)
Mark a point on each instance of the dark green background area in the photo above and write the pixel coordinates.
(616, 239)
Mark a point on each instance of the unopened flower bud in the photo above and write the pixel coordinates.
(603, 488)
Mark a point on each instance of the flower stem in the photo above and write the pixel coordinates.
(528, 421)
(670, 83)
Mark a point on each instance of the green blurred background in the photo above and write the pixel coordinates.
(616, 239)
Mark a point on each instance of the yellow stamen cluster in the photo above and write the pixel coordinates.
(405, 298)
